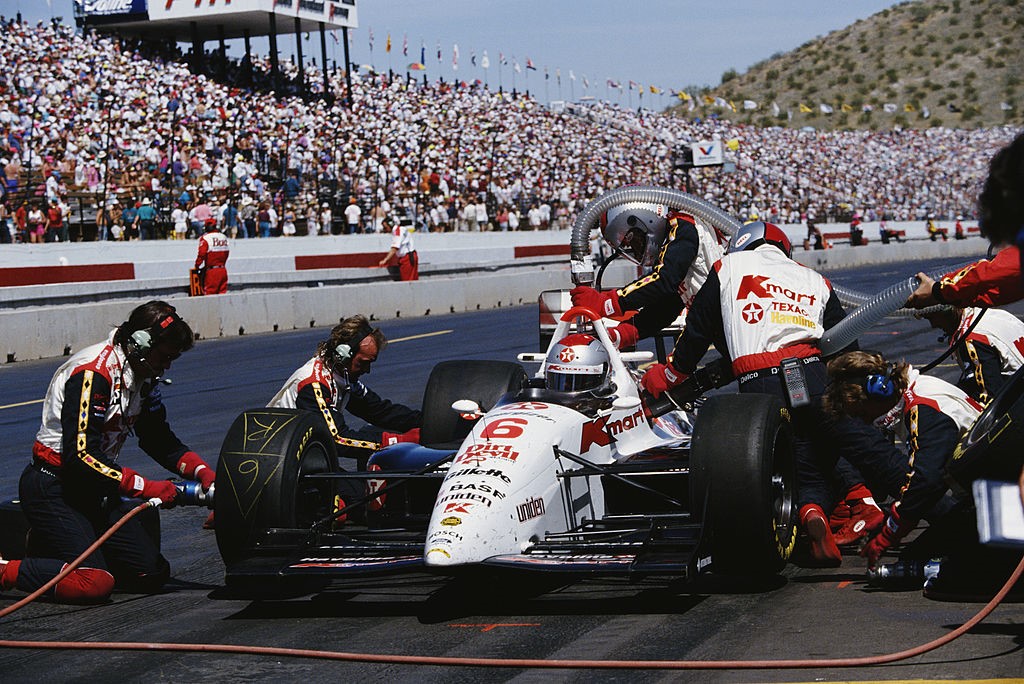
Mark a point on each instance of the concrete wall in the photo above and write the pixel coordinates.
(31, 332)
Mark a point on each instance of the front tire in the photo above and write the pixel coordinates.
(482, 381)
(743, 444)
(261, 482)
(992, 447)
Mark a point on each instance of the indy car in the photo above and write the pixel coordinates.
(572, 470)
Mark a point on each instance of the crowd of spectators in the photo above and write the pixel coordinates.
(95, 127)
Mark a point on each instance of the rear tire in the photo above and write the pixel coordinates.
(260, 473)
(482, 381)
(744, 442)
(991, 448)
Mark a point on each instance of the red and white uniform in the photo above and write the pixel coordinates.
(408, 260)
(315, 387)
(213, 256)
(934, 415)
(1000, 330)
(984, 283)
(112, 403)
(767, 308)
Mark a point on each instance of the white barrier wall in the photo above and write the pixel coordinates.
(38, 332)
(46, 331)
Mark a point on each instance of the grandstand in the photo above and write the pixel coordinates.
(123, 118)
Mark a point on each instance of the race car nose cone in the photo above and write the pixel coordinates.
(437, 557)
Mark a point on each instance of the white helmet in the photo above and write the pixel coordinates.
(577, 363)
(636, 230)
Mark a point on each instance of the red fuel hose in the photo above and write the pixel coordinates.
(519, 663)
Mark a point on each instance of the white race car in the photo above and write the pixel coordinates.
(523, 473)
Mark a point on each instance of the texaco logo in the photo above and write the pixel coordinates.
(566, 355)
(753, 312)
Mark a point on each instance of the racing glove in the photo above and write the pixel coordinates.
(604, 303)
(193, 467)
(389, 438)
(137, 487)
(624, 335)
(892, 532)
(662, 377)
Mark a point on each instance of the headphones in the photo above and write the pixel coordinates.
(141, 342)
(881, 386)
(343, 353)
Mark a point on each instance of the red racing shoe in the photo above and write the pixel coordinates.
(864, 518)
(823, 546)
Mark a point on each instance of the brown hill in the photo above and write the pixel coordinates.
(954, 63)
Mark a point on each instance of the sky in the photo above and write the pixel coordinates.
(670, 44)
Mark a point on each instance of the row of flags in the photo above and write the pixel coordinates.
(823, 108)
(612, 84)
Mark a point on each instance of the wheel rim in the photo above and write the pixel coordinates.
(314, 499)
(783, 494)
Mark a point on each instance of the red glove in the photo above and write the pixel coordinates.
(193, 467)
(892, 531)
(662, 377)
(605, 303)
(624, 335)
(389, 438)
(138, 487)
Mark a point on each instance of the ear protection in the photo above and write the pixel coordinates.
(141, 342)
(881, 386)
(344, 352)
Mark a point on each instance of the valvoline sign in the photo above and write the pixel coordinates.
(708, 153)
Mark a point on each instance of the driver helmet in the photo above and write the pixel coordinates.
(576, 364)
(757, 233)
(636, 230)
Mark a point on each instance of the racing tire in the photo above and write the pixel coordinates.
(482, 381)
(992, 447)
(743, 447)
(260, 483)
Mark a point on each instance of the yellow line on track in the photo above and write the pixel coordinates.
(414, 337)
(22, 403)
(397, 339)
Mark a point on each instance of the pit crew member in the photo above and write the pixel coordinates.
(676, 249)
(72, 490)
(329, 383)
(1001, 208)
(213, 258)
(929, 415)
(403, 249)
(759, 307)
(991, 352)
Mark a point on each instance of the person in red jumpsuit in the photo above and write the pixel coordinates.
(212, 259)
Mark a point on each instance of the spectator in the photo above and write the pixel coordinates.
(145, 220)
(352, 216)
(128, 215)
(179, 220)
(326, 219)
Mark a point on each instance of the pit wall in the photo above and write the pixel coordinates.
(43, 331)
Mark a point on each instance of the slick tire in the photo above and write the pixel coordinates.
(743, 448)
(482, 381)
(992, 448)
(261, 477)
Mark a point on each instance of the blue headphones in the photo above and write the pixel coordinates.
(881, 386)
